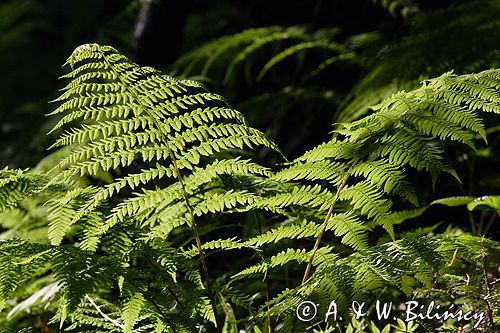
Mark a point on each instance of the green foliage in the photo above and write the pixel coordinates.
(156, 215)
(288, 42)
(428, 51)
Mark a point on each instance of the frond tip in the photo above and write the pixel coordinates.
(131, 113)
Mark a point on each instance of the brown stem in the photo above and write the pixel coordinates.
(322, 230)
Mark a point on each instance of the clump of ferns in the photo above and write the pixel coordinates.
(375, 149)
(175, 128)
(184, 138)
(244, 49)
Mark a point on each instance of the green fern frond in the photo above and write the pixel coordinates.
(30, 260)
(174, 123)
(368, 200)
(314, 170)
(283, 258)
(215, 49)
(215, 202)
(350, 228)
(407, 147)
(285, 42)
(322, 44)
(309, 196)
(292, 230)
(62, 210)
(290, 33)
(388, 177)
(335, 149)
(236, 48)
(218, 244)
(132, 310)
(16, 185)
(95, 312)
(348, 56)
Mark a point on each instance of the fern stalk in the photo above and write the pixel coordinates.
(104, 315)
(323, 228)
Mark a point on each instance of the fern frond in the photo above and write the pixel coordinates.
(322, 44)
(317, 170)
(20, 261)
(218, 244)
(131, 311)
(215, 49)
(388, 177)
(16, 185)
(309, 196)
(62, 210)
(215, 202)
(350, 228)
(290, 33)
(174, 123)
(335, 149)
(368, 199)
(407, 147)
(292, 230)
(283, 258)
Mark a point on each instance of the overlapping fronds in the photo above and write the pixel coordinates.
(366, 163)
(228, 53)
(78, 272)
(155, 183)
(405, 264)
(16, 185)
(404, 64)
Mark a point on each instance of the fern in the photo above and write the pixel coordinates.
(136, 114)
(163, 133)
(389, 139)
(232, 52)
(402, 65)
(154, 175)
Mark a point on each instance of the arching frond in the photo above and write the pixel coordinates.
(173, 123)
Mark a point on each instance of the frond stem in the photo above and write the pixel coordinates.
(323, 228)
(193, 225)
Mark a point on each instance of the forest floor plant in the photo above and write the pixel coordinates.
(152, 217)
